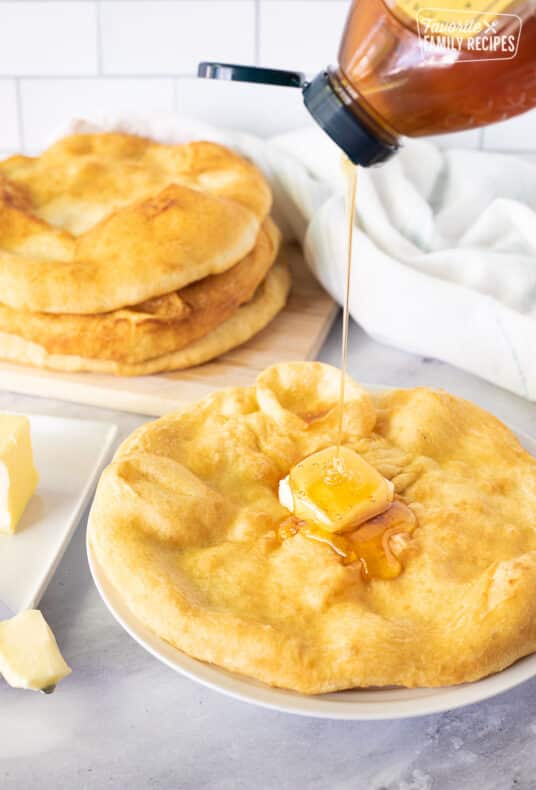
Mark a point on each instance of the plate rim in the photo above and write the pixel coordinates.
(322, 706)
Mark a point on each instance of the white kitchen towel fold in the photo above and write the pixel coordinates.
(444, 261)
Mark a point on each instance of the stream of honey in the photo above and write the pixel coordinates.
(375, 546)
(350, 172)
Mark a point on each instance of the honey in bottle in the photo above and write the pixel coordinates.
(412, 68)
(408, 67)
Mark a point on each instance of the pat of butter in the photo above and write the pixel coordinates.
(29, 654)
(335, 489)
(18, 476)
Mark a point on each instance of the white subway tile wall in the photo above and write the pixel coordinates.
(9, 127)
(47, 104)
(51, 38)
(516, 134)
(469, 139)
(264, 110)
(300, 35)
(168, 37)
(60, 58)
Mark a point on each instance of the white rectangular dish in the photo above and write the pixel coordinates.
(69, 455)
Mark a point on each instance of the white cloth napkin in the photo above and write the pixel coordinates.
(444, 261)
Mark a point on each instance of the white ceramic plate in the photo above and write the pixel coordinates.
(357, 704)
(69, 455)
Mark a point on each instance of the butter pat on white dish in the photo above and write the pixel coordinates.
(335, 489)
(18, 476)
(29, 654)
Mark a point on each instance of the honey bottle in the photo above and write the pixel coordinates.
(406, 68)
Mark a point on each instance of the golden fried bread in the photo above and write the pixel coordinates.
(186, 525)
(269, 298)
(100, 221)
(160, 326)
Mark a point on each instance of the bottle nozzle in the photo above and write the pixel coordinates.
(239, 73)
(357, 140)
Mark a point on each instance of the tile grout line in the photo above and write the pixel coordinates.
(124, 2)
(102, 77)
(257, 32)
(98, 33)
(20, 118)
(44, 2)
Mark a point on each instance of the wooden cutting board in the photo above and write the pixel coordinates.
(296, 333)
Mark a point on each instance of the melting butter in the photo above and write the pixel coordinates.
(335, 489)
(379, 547)
(336, 498)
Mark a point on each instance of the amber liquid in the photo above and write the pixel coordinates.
(385, 77)
(350, 172)
(368, 546)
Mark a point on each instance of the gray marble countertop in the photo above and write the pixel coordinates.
(123, 720)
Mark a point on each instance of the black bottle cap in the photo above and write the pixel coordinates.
(359, 143)
(238, 73)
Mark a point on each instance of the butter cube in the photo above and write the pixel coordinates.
(18, 476)
(29, 654)
(336, 489)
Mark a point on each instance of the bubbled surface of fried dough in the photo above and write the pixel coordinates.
(185, 519)
(268, 300)
(100, 221)
(151, 329)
